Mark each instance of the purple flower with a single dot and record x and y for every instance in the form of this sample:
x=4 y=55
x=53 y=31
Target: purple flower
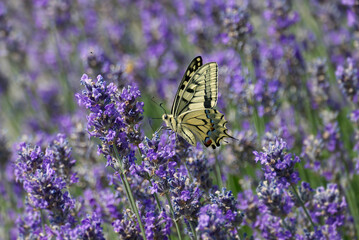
x=213 y=223
x=347 y=77
x=59 y=153
x=114 y=117
x=89 y=228
x=250 y=205
x=273 y=196
x=157 y=226
x=319 y=84
x=197 y=165
x=185 y=196
x=159 y=159
x=278 y=165
x=30 y=159
x=126 y=227
x=329 y=206
x=305 y=192
x=228 y=204
x=29 y=224
x=236 y=26
x=272 y=227
x=280 y=15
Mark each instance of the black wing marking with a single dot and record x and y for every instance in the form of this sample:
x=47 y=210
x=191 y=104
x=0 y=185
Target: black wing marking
x=200 y=92
x=191 y=69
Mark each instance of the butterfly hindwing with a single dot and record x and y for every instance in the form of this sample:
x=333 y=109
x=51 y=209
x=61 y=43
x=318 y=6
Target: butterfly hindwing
x=207 y=125
x=201 y=91
x=191 y=69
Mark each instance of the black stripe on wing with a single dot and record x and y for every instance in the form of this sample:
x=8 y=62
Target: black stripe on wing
x=201 y=91
x=191 y=69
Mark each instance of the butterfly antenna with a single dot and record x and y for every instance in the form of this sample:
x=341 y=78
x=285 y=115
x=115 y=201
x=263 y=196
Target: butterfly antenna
x=150 y=123
x=164 y=110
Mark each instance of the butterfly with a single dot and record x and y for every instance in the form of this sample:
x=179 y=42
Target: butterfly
x=193 y=116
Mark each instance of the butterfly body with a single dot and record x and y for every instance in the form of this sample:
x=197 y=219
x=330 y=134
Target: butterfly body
x=193 y=115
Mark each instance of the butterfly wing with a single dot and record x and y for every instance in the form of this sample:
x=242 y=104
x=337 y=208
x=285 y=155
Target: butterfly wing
x=200 y=92
x=191 y=69
x=206 y=125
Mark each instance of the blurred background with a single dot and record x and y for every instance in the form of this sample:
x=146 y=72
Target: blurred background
x=286 y=68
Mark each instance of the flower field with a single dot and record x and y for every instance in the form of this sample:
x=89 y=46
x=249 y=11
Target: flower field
x=85 y=154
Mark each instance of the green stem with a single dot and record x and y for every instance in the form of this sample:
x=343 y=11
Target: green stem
x=218 y=173
x=238 y=233
x=129 y=194
x=43 y=221
x=303 y=206
x=174 y=217
x=258 y=122
x=193 y=230
x=63 y=76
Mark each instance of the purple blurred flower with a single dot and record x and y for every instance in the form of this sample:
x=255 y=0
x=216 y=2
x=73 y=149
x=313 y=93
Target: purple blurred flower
x=347 y=77
x=273 y=196
x=280 y=15
x=29 y=224
x=329 y=206
x=241 y=152
x=318 y=84
x=305 y=192
x=236 y=26
x=203 y=27
x=213 y=223
x=251 y=207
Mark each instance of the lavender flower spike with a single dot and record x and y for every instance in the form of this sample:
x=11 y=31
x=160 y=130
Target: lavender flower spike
x=277 y=164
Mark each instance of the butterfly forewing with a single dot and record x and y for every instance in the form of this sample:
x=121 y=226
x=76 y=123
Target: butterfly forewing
x=201 y=90
x=191 y=69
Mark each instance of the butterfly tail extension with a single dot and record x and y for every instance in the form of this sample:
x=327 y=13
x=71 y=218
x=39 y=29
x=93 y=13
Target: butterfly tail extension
x=217 y=130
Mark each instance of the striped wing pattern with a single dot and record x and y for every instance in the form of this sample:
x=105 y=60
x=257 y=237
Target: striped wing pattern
x=207 y=126
x=190 y=71
x=201 y=91
x=192 y=114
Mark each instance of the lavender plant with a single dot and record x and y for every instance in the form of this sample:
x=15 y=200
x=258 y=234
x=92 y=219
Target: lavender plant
x=83 y=157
